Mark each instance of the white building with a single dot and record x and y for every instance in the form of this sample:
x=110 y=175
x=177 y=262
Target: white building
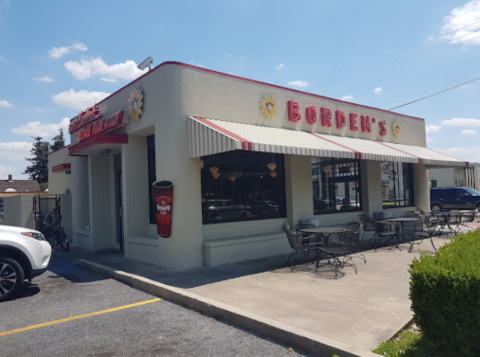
x=245 y=157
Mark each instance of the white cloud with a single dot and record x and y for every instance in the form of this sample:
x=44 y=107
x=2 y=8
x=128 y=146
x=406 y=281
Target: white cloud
x=78 y=100
x=461 y=122
x=5 y=104
x=58 y=52
x=378 y=90
x=460 y=17
x=45 y=79
x=300 y=84
x=348 y=98
x=468 y=132
x=88 y=68
x=35 y=128
x=9 y=170
x=471 y=154
x=280 y=66
x=15 y=151
x=433 y=129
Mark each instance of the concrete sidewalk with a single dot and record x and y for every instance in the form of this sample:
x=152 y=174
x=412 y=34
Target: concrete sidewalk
x=352 y=314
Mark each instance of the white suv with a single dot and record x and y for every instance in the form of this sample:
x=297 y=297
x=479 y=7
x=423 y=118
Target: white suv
x=24 y=254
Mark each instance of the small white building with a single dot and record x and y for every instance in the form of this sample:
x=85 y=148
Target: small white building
x=456 y=176
x=245 y=157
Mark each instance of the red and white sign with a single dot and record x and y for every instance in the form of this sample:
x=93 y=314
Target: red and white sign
x=101 y=126
x=364 y=123
x=84 y=118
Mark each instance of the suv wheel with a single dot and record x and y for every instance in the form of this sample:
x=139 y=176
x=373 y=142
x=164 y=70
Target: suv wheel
x=11 y=277
x=435 y=207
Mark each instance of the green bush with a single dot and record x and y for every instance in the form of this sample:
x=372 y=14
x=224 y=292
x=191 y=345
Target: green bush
x=445 y=295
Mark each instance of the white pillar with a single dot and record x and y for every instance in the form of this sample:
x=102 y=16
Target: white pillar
x=421 y=187
x=371 y=177
x=298 y=187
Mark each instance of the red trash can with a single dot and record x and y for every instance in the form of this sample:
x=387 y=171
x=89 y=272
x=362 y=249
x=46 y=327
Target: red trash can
x=163 y=196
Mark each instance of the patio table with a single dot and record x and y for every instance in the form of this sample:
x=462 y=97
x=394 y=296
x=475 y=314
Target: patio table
x=323 y=235
x=450 y=219
x=398 y=223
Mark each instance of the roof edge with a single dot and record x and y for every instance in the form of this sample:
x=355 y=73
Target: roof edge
x=176 y=63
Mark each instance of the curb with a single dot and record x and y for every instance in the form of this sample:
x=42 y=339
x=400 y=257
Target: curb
x=290 y=336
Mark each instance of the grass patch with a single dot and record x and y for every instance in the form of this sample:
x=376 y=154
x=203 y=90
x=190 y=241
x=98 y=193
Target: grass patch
x=408 y=343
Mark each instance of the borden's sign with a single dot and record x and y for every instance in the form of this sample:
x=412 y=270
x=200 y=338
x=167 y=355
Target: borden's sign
x=84 y=118
x=110 y=123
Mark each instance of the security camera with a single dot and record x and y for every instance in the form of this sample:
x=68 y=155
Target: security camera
x=147 y=62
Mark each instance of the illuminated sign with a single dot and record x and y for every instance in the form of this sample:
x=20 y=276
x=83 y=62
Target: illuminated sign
x=363 y=124
x=101 y=126
x=84 y=118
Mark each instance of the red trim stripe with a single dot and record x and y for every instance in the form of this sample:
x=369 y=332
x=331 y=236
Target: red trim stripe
x=420 y=160
x=252 y=81
x=61 y=167
x=467 y=164
x=98 y=140
x=358 y=154
x=246 y=144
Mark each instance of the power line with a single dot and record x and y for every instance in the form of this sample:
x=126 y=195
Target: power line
x=430 y=89
x=422 y=77
x=395 y=64
x=395 y=52
x=437 y=93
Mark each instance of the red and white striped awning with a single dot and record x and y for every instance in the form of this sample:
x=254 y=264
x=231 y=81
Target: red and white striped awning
x=212 y=136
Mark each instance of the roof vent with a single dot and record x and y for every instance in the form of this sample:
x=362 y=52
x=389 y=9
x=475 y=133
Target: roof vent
x=10 y=179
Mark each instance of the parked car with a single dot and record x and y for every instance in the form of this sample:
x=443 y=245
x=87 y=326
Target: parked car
x=226 y=210
x=454 y=198
x=24 y=254
x=264 y=208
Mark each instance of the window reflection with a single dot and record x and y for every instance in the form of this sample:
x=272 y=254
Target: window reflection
x=239 y=186
x=336 y=185
x=397 y=184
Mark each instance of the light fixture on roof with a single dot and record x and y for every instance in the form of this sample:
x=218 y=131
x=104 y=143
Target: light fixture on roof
x=147 y=62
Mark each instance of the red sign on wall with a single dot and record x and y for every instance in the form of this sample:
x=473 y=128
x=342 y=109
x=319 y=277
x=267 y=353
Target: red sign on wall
x=364 y=123
x=101 y=126
x=84 y=118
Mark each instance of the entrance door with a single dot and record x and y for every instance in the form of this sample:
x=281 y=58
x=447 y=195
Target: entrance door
x=118 y=199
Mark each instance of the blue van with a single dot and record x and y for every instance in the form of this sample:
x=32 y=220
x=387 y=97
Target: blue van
x=454 y=198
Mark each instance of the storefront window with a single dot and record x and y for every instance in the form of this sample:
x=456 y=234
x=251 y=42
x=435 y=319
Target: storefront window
x=152 y=174
x=336 y=185
x=397 y=184
x=241 y=186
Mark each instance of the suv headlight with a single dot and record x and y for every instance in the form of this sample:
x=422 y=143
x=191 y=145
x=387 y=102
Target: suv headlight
x=37 y=236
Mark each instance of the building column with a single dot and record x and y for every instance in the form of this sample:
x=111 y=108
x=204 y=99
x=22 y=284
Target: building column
x=421 y=187
x=80 y=202
x=298 y=187
x=371 y=177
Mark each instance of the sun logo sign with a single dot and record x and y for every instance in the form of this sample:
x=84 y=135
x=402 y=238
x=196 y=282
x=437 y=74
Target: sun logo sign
x=397 y=129
x=135 y=104
x=269 y=107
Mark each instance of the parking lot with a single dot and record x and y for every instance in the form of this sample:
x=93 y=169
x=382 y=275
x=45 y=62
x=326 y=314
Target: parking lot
x=74 y=312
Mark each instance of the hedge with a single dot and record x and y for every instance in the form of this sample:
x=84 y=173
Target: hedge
x=445 y=295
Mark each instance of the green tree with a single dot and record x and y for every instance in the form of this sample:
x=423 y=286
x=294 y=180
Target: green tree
x=38 y=170
x=58 y=141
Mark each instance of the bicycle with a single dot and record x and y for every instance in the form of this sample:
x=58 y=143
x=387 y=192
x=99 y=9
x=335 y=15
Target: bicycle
x=55 y=235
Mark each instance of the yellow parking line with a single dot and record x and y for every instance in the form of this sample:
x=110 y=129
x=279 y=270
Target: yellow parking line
x=77 y=317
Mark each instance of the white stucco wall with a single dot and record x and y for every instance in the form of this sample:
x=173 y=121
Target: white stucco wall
x=58 y=182
x=171 y=93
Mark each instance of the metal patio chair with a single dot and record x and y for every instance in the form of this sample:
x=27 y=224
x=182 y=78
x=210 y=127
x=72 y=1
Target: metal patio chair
x=425 y=228
x=301 y=246
x=368 y=227
x=382 y=230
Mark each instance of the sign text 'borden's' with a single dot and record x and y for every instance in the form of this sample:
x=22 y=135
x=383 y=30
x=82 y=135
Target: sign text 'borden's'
x=364 y=122
x=110 y=123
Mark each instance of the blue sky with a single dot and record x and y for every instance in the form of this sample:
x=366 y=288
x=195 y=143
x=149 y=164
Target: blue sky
x=58 y=57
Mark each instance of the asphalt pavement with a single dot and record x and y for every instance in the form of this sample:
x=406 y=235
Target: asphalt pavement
x=83 y=301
